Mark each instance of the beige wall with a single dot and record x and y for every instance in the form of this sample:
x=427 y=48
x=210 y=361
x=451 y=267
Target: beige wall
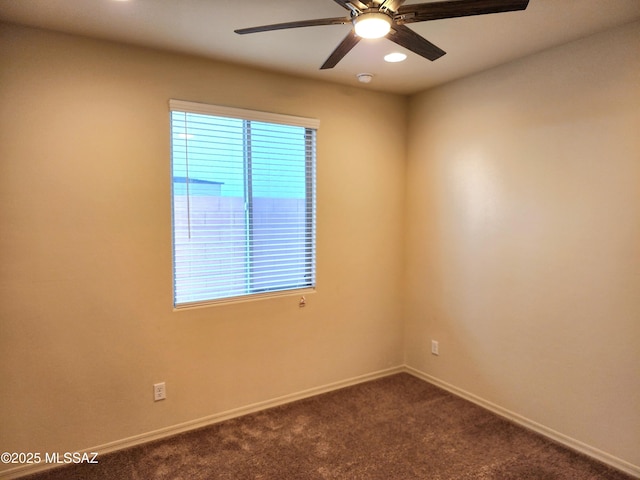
x=518 y=196
x=523 y=228
x=85 y=270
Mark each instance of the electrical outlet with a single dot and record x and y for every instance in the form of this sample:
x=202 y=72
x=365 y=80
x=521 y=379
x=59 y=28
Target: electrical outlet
x=435 y=347
x=159 y=391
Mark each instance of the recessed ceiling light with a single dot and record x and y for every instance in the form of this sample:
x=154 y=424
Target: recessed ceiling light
x=395 y=57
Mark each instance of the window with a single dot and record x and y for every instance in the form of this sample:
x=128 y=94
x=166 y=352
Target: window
x=243 y=202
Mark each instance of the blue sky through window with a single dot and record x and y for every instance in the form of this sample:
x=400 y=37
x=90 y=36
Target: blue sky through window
x=215 y=149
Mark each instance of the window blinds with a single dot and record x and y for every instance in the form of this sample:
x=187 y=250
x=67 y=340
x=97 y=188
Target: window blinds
x=243 y=202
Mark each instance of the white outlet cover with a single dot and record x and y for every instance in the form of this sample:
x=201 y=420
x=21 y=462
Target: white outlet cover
x=159 y=391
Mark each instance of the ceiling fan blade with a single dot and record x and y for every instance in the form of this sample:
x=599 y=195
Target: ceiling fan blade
x=410 y=40
x=456 y=8
x=356 y=3
x=341 y=50
x=301 y=23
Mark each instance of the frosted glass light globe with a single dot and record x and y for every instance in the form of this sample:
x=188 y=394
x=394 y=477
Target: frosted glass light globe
x=372 y=25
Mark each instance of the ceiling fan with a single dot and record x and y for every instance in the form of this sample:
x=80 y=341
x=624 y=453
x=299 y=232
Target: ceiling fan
x=388 y=18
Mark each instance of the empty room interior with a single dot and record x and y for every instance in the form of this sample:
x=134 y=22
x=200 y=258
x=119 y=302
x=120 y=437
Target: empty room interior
x=479 y=231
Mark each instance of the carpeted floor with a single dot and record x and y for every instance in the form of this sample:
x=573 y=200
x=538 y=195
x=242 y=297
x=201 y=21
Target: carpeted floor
x=397 y=427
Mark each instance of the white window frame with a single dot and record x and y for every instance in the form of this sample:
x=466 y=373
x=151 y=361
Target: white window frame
x=311 y=125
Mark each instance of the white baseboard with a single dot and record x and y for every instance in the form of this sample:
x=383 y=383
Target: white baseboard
x=24 y=470
x=136 y=440
x=558 y=437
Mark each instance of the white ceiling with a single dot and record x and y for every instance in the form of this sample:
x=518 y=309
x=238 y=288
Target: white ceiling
x=205 y=28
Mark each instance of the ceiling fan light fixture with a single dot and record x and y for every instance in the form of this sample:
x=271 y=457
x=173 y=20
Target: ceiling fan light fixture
x=372 y=25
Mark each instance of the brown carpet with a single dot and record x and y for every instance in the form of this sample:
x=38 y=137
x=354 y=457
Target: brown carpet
x=397 y=427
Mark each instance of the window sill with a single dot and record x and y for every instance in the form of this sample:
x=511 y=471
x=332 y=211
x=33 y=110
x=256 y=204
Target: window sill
x=244 y=299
